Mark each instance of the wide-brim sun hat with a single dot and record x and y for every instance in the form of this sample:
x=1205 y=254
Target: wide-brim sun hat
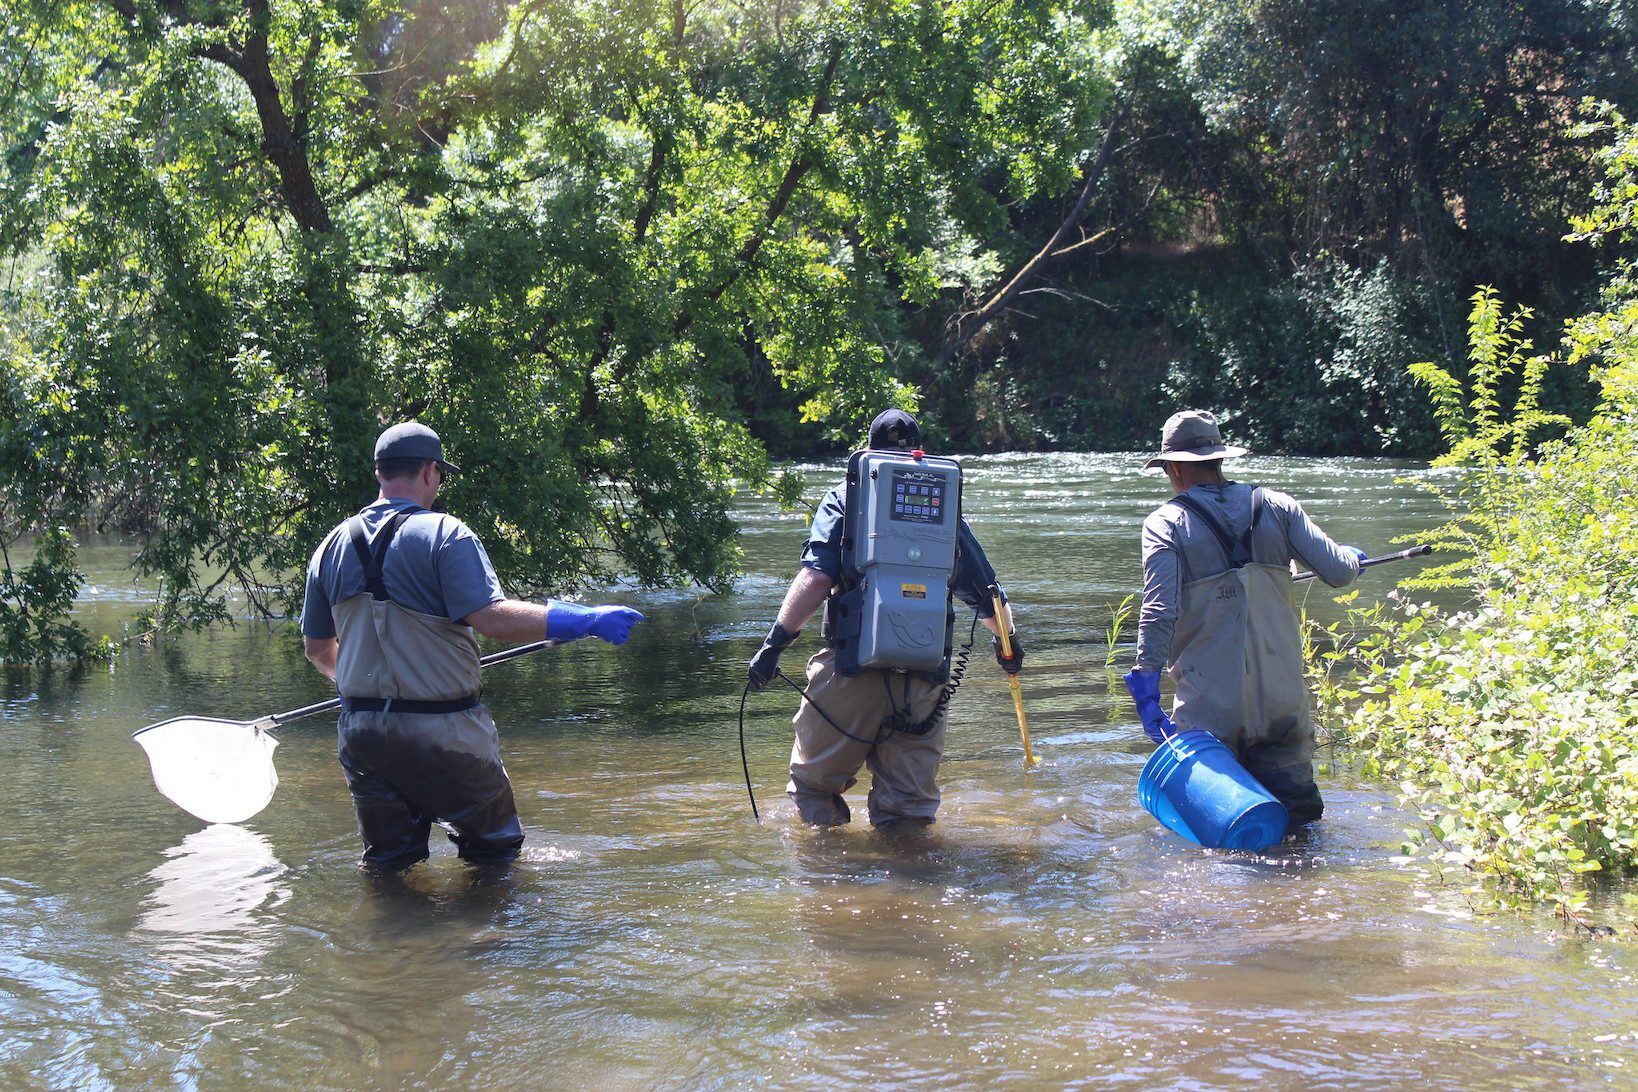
x=1192 y=436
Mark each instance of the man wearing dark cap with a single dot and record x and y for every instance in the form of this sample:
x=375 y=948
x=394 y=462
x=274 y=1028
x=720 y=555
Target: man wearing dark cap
x=888 y=718
x=1217 y=612
x=393 y=597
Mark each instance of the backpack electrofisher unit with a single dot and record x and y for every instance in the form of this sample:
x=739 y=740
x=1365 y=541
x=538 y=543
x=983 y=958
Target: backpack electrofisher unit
x=900 y=529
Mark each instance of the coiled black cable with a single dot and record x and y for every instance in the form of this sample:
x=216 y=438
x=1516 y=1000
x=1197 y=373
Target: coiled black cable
x=899 y=719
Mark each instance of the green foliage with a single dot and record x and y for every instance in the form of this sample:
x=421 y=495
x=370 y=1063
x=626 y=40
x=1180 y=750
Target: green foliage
x=1308 y=191
x=566 y=234
x=1425 y=133
x=34 y=603
x=1489 y=446
x=1475 y=431
x=1314 y=364
x=1119 y=617
x=1513 y=725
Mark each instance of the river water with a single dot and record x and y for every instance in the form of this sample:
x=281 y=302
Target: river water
x=1044 y=931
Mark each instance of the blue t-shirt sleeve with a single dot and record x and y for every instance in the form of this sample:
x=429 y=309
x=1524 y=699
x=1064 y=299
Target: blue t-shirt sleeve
x=823 y=549
x=465 y=575
x=974 y=575
x=317 y=620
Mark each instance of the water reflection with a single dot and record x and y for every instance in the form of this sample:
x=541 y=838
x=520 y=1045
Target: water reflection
x=213 y=900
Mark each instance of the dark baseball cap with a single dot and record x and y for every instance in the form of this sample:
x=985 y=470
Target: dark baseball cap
x=894 y=430
x=412 y=440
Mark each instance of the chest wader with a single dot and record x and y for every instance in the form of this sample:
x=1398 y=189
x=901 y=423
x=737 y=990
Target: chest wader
x=888 y=631
x=1237 y=663
x=415 y=741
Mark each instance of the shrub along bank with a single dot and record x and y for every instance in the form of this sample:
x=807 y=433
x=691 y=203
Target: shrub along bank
x=1511 y=724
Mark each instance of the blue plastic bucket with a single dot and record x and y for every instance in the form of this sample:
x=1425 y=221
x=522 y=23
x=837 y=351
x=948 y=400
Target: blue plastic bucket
x=1194 y=785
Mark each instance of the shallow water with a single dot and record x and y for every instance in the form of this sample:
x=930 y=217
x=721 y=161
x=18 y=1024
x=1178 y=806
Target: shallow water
x=1044 y=931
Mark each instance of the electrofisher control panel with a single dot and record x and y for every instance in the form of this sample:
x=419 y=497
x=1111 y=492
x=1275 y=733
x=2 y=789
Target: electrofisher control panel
x=903 y=517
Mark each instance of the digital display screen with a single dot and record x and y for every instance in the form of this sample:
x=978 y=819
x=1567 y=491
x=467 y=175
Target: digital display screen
x=918 y=497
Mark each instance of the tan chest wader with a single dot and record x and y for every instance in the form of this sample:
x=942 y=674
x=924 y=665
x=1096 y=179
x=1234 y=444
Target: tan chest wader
x=1237 y=663
x=888 y=639
x=415 y=741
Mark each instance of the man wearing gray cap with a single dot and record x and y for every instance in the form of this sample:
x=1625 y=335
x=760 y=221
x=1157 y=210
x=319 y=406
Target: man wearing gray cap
x=1217 y=612
x=393 y=597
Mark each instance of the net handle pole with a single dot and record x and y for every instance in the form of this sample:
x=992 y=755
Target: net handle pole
x=335 y=703
x=1414 y=551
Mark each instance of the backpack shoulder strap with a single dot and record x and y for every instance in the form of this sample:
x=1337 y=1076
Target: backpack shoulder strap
x=1251 y=528
x=1230 y=552
x=372 y=554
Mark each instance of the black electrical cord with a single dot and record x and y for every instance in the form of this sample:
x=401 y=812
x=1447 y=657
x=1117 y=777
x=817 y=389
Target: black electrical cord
x=957 y=669
x=822 y=713
x=743 y=761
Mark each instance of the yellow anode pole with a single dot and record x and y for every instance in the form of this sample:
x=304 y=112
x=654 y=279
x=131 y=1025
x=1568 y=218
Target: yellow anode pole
x=1003 y=625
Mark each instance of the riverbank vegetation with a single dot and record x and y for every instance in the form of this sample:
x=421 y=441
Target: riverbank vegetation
x=1512 y=725
x=621 y=255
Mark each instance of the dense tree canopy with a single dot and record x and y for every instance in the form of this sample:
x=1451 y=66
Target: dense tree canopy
x=566 y=234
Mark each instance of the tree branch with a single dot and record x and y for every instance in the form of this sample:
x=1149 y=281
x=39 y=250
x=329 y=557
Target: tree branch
x=803 y=163
x=998 y=303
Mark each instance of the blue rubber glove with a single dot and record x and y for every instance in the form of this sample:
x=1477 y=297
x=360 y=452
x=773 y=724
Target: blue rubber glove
x=1144 y=686
x=1359 y=554
x=765 y=664
x=570 y=622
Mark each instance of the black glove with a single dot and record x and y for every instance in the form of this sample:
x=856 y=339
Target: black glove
x=1010 y=664
x=765 y=664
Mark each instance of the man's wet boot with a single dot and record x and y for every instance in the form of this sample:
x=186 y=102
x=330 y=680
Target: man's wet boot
x=821 y=812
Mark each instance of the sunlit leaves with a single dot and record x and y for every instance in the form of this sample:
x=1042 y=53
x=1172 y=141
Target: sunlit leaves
x=563 y=232
x=1513 y=722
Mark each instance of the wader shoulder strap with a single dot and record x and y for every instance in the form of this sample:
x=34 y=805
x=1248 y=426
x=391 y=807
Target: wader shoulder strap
x=372 y=554
x=1238 y=553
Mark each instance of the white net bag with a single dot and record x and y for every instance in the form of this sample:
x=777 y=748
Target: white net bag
x=218 y=770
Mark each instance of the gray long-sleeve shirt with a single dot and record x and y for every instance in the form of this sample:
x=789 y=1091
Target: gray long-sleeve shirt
x=1178 y=549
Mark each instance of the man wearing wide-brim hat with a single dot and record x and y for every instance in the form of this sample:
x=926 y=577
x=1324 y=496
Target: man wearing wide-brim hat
x=1217 y=612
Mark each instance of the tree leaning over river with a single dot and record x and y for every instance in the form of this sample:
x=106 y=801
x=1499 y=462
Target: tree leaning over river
x=566 y=234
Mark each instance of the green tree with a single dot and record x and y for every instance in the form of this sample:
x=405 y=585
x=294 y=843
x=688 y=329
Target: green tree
x=564 y=233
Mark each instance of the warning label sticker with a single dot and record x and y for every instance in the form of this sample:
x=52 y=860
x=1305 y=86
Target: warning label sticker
x=913 y=591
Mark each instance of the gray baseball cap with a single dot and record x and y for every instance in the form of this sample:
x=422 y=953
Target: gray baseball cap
x=1192 y=436
x=412 y=440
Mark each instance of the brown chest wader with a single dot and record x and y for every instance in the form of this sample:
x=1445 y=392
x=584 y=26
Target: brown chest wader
x=1237 y=663
x=851 y=717
x=415 y=741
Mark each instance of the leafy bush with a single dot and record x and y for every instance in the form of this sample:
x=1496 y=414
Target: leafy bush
x=1330 y=343
x=1511 y=724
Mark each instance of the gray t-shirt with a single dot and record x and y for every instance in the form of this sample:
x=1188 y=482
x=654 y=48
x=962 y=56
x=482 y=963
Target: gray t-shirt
x=435 y=565
x=1178 y=549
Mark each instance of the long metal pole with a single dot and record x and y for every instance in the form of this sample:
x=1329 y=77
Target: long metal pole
x=1002 y=626
x=335 y=703
x=1414 y=551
